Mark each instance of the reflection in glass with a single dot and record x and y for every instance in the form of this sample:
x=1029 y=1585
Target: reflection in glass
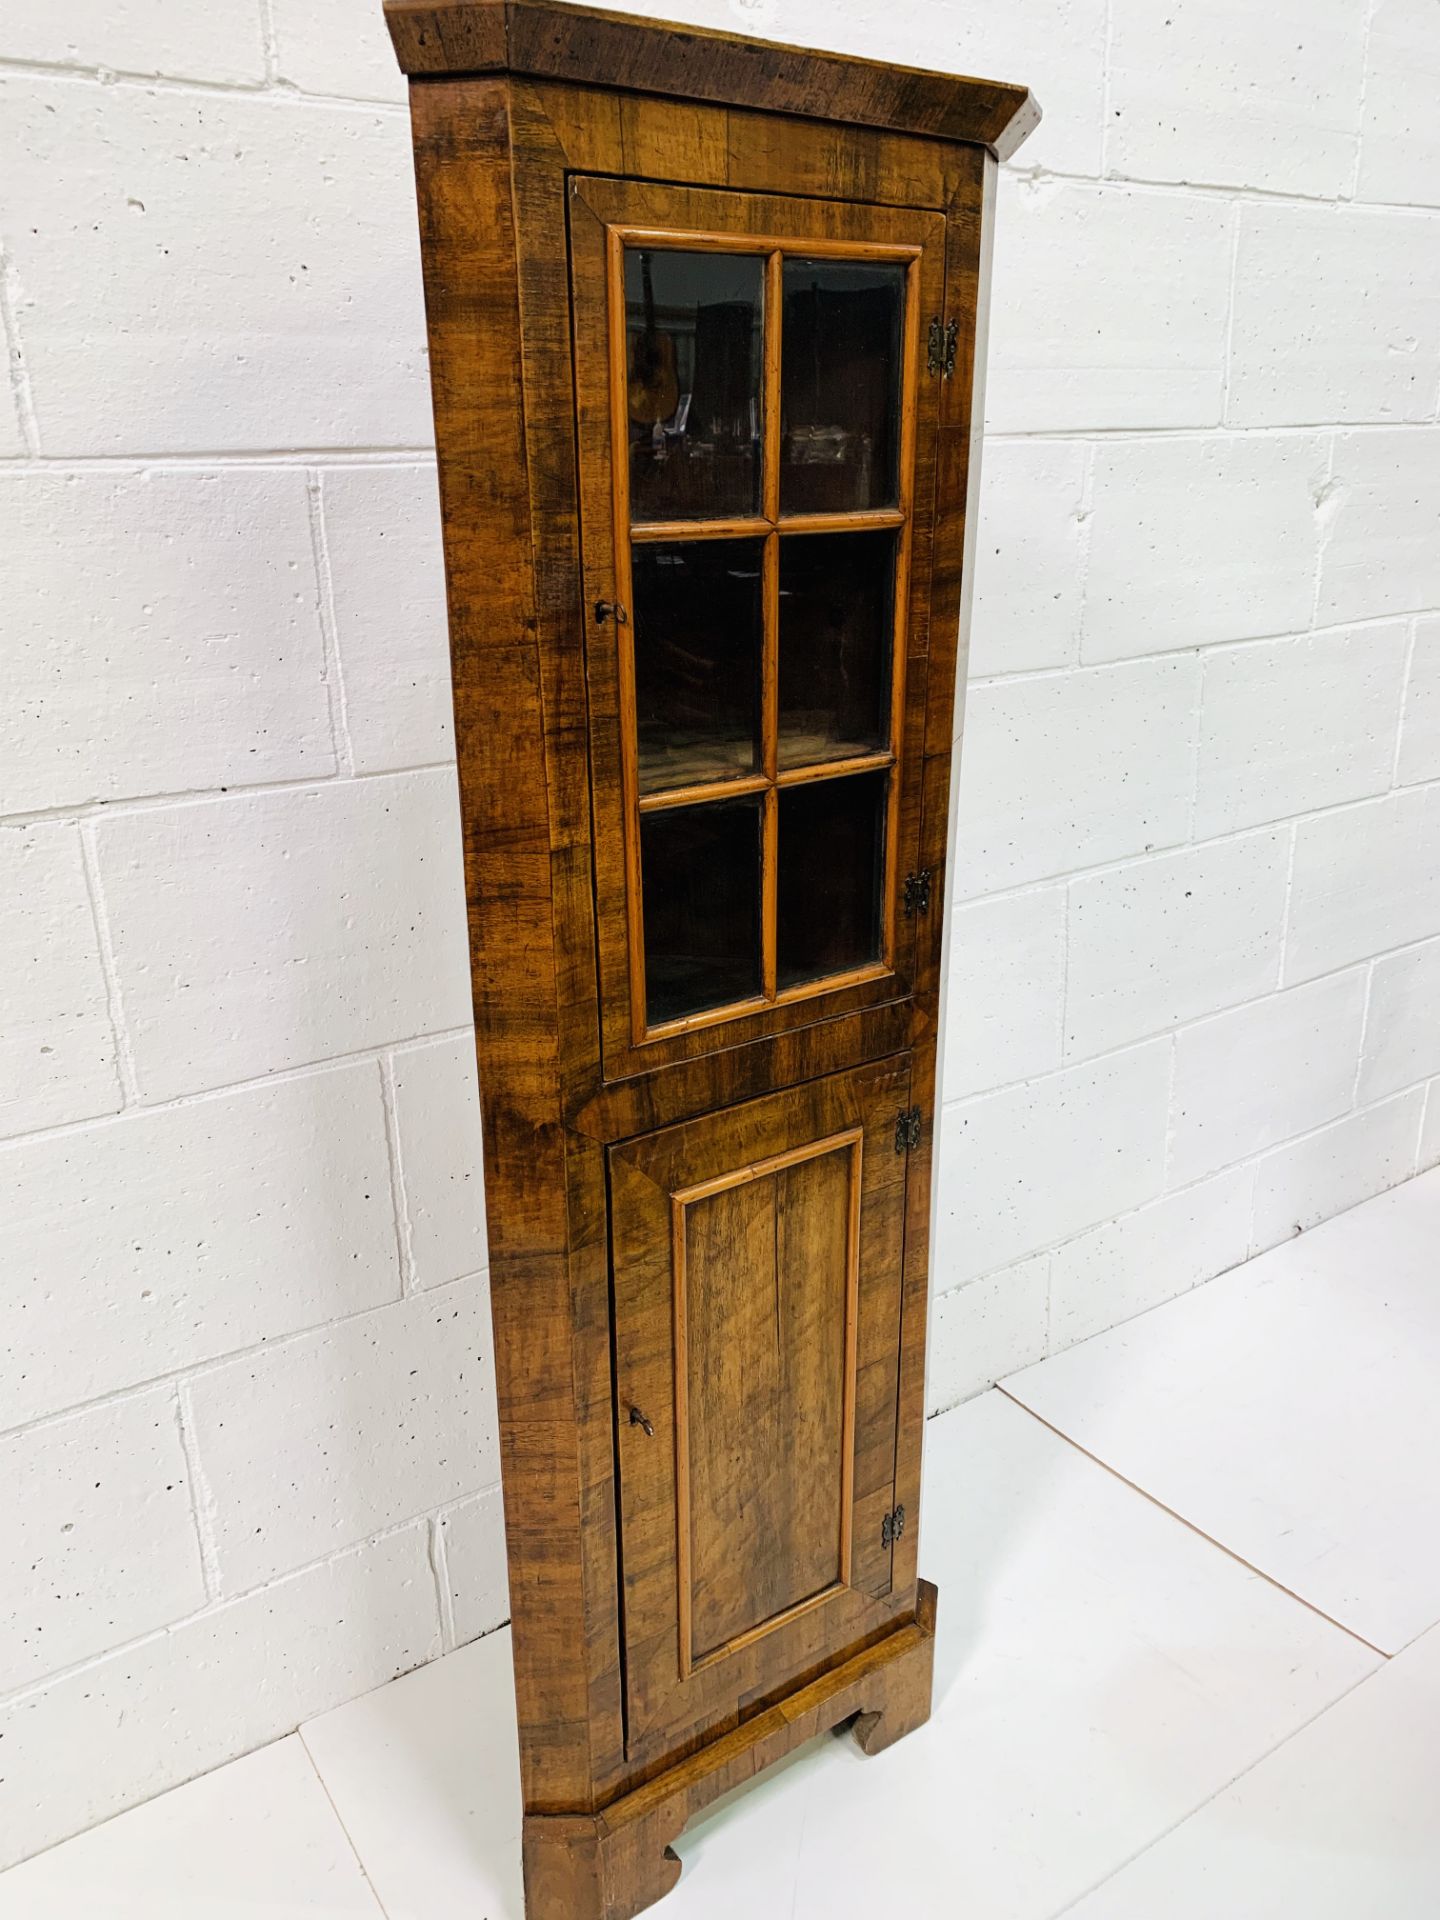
x=831 y=876
x=837 y=594
x=700 y=886
x=840 y=385
x=693 y=324
x=699 y=619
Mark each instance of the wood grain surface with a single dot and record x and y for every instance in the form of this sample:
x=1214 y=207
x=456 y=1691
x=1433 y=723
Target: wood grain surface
x=603 y=49
x=714 y=1227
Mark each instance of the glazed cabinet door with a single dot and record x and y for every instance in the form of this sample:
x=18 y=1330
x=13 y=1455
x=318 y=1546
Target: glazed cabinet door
x=757 y=422
x=757 y=1262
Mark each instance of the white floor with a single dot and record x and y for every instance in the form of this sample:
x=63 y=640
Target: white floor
x=1175 y=1564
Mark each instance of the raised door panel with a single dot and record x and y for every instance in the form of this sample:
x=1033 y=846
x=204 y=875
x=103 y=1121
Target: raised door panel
x=758 y=434
x=757 y=1259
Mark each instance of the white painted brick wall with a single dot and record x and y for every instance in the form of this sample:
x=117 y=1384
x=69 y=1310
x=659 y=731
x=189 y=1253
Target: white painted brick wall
x=342 y=1432
x=1196 y=538
x=175 y=1235
x=1419 y=757
x=99 y=1542
x=1192 y=963
x=1430 y=1132
x=226 y=1679
x=176 y=648
x=58 y=1043
x=1402 y=1031
x=1249 y=1079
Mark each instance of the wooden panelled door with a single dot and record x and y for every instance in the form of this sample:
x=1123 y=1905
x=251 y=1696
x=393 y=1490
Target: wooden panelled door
x=757 y=476
x=758 y=1255
x=757 y=463
x=757 y=496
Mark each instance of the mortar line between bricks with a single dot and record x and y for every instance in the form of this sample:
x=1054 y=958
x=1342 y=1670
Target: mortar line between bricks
x=279 y=1077
x=1228 y=364
x=1364 y=1034
x=93 y=810
x=1324 y=530
x=1049 y=1253
x=337 y=697
x=268 y=86
x=19 y=1695
x=180 y=459
x=202 y=1501
x=1203 y=649
x=193 y=1370
x=1417 y=1145
x=1106 y=76
x=1362 y=1112
x=1285 y=913
x=1191 y=1187
x=1250 y=1165
x=1174 y=1033
x=110 y=972
x=1168 y=1144
x=1113 y=1220
x=275 y=88
x=1197 y=741
x=333 y=1062
x=1170 y=849
x=399 y=1196
x=1211 y=430
x=1085 y=548
x=440 y=1571
x=17 y=373
x=410 y=455
x=1123 y=863
x=131 y=804
x=1067 y=912
x=1372 y=11
x=268 y=42
x=1411 y=645
x=1252 y=1194
x=1040 y=175
x=185 y=85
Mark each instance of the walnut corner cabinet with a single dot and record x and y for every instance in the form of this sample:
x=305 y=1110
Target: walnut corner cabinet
x=705 y=320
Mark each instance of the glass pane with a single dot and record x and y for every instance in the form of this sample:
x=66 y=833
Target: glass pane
x=840 y=357
x=837 y=597
x=831 y=876
x=700 y=883
x=692 y=382
x=699 y=619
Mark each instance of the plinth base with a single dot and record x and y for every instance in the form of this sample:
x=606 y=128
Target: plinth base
x=612 y=1865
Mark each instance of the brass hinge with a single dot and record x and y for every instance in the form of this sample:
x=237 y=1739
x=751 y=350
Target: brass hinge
x=917 y=893
x=907 y=1129
x=944 y=342
x=892 y=1527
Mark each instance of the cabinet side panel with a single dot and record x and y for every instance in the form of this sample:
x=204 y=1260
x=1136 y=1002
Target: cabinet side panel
x=969 y=236
x=546 y=1200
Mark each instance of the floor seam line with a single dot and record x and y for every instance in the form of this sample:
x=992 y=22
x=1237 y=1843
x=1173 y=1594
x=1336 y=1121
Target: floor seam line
x=1199 y=1532
x=380 y=1905
x=1211 y=1798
